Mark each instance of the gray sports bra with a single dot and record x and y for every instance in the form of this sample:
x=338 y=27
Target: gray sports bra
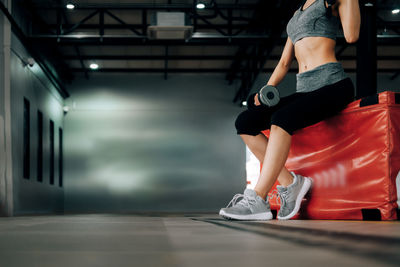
x=312 y=22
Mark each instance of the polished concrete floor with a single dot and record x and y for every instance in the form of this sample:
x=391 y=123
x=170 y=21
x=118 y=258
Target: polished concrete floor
x=193 y=240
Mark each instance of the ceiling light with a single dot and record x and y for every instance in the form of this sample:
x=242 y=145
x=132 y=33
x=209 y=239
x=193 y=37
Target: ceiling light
x=70 y=6
x=396 y=11
x=94 y=66
x=200 y=6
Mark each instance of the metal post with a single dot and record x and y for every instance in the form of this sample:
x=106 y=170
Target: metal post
x=144 y=22
x=6 y=175
x=101 y=22
x=230 y=22
x=59 y=22
x=166 y=63
x=367 y=51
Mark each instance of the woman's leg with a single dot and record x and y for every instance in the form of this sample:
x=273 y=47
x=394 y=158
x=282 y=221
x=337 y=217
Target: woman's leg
x=301 y=111
x=258 y=145
x=274 y=161
x=273 y=155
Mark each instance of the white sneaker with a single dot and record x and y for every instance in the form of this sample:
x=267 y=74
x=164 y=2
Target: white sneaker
x=251 y=207
x=292 y=195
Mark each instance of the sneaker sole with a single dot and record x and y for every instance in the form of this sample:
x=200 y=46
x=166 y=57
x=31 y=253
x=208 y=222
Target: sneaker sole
x=303 y=191
x=265 y=216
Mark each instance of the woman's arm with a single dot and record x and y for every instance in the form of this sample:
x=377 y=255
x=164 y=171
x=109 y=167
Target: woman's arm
x=349 y=13
x=282 y=68
x=283 y=65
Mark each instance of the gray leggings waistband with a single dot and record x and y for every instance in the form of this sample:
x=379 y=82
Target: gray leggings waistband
x=319 y=77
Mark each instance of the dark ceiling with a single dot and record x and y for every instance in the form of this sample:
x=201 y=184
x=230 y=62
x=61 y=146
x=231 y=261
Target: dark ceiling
x=239 y=38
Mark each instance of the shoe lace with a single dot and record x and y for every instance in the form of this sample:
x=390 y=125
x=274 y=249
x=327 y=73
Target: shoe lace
x=246 y=201
x=274 y=194
x=283 y=197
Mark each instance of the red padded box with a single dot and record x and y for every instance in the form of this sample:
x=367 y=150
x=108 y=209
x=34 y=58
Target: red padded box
x=353 y=158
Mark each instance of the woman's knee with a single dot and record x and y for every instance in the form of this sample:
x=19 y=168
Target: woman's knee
x=246 y=124
x=241 y=123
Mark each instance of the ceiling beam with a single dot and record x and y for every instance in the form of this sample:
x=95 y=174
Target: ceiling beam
x=133 y=6
x=150 y=57
x=138 y=27
x=191 y=57
x=95 y=39
x=199 y=70
x=140 y=40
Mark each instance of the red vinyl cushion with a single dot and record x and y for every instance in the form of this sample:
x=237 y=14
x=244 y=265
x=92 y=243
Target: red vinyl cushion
x=353 y=159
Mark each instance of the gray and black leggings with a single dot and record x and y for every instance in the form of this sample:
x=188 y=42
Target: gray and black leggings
x=298 y=110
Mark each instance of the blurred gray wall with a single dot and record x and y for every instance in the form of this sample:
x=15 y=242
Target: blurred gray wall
x=142 y=143
x=19 y=195
x=3 y=196
x=30 y=195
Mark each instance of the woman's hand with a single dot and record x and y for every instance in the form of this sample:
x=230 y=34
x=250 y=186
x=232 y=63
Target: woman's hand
x=256 y=102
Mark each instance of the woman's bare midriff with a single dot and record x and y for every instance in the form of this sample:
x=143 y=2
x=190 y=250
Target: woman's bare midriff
x=312 y=52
